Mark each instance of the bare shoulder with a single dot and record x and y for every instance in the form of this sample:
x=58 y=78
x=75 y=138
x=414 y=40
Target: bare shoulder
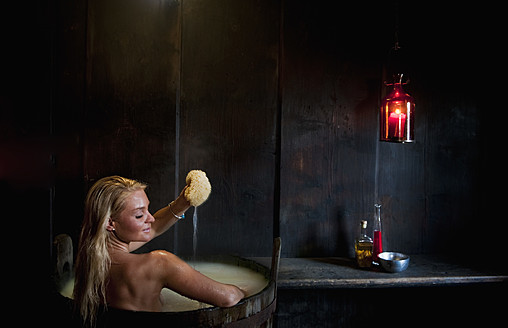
x=166 y=262
x=171 y=270
x=162 y=256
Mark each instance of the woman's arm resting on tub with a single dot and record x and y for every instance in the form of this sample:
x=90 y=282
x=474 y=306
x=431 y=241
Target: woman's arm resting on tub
x=183 y=279
x=164 y=219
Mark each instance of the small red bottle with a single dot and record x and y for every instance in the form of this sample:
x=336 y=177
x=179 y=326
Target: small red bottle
x=378 y=240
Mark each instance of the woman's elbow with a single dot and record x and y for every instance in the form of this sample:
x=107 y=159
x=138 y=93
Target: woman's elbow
x=232 y=297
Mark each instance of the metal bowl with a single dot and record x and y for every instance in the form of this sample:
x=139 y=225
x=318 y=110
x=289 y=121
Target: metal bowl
x=393 y=261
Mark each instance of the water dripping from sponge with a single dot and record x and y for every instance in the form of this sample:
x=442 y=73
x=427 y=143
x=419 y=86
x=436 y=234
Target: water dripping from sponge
x=194 y=233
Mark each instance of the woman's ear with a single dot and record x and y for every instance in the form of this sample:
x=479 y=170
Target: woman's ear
x=111 y=225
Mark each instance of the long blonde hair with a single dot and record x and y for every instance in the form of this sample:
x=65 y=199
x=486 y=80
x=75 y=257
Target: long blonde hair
x=105 y=199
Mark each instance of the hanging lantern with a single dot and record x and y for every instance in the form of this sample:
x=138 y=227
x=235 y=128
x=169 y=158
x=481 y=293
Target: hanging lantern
x=397 y=115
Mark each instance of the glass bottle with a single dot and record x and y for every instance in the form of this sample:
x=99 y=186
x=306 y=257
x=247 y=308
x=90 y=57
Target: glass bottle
x=378 y=240
x=363 y=247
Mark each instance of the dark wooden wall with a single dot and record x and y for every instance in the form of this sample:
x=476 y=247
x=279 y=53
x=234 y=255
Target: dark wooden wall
x=276 y=101
x=228 y=104
x=172 y=86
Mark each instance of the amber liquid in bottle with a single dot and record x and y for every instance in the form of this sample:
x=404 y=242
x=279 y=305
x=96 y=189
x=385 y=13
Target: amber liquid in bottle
x=363 y=247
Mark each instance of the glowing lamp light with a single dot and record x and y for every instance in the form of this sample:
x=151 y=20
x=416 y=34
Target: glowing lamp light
x=397 y=115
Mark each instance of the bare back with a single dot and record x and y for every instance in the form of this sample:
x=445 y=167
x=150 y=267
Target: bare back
x=133 y=283
x=136 y=281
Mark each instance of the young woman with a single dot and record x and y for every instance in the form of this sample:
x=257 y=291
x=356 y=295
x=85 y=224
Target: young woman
x=116 y=222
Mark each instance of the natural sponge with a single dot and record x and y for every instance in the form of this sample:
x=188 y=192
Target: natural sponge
x=198 y=189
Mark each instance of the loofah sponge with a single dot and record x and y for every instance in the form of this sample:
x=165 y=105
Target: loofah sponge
x=198 y=189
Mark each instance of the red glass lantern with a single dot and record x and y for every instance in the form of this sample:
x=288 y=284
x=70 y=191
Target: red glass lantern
x=397 y=115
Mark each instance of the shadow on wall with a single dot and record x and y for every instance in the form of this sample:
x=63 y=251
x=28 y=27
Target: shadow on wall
x=328 y=237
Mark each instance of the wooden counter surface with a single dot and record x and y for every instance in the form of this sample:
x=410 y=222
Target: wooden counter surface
x=335 y=272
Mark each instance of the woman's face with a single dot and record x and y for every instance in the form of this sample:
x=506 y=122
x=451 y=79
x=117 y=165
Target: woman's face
x=134 y=221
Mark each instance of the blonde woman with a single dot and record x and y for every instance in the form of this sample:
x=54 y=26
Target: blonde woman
x=116 y=222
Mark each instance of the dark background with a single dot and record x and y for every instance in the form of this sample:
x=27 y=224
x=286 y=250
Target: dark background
x=276 y=100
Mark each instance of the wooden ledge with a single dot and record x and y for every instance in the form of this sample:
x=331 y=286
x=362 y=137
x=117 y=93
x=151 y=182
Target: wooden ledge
x=334 y=272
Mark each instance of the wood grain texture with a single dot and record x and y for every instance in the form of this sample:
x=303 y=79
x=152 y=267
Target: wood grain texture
x=343 y=273
x=330 y=95
x=233 y=75
x=229 y=99
x=132 y=66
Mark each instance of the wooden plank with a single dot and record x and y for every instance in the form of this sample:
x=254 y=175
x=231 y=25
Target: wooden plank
x=228 y=107
x=132 y=71
x=67 y=110
x=472 y=305
x=325 y=273
x=329 y=122
x=332 y=84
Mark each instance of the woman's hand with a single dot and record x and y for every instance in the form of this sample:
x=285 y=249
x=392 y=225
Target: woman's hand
x=180 y=205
